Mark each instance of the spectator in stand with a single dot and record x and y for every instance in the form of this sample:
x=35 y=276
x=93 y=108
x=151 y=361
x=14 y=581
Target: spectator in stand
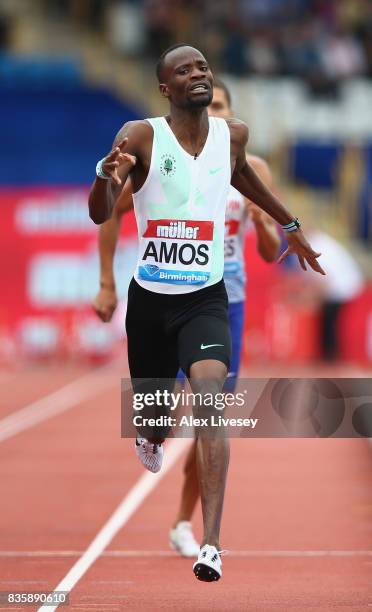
x=159 y=16
x=363 y=32
x=262 y=55
x=4 y=32
x=342 y=283
x=235 y=53
x=324 y=11
x=320 y=41
x=342 y=56
x=300 y=50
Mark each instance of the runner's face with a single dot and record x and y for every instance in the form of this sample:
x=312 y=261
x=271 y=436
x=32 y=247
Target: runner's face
x=188 y=80
x=219 y=107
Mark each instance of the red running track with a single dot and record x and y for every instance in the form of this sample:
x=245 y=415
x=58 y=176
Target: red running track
x=297 y=518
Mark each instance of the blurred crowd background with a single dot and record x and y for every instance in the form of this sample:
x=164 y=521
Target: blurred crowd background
x=73 y=71
x=319 y=41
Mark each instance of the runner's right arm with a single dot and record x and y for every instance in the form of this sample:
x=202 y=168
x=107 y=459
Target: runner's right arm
x=106 y=300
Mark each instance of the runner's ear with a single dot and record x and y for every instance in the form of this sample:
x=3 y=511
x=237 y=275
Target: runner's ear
x=164 y=90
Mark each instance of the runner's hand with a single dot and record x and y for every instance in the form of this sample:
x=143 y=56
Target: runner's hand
x=298 y=244
x=118 y=158
x=105 y=304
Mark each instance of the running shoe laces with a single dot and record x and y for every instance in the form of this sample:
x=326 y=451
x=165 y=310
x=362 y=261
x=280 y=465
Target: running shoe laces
x=208 y=567
x=150 y=454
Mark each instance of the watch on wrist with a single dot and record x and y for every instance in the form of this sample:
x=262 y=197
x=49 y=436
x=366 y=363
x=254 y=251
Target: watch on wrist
x=293 y=226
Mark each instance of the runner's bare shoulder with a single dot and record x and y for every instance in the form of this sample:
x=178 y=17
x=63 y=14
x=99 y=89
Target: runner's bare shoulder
x=239 y=131
x=139 y=134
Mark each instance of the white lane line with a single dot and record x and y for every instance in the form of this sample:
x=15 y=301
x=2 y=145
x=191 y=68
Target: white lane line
x=55 y=403
x=131 y=502
x=170 y=553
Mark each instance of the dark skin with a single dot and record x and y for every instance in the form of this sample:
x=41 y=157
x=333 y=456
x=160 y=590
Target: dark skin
x=184 y=70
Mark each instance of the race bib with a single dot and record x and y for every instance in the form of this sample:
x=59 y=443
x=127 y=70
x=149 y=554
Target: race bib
x=232 y=248
x=231 y=239
x=176 y=251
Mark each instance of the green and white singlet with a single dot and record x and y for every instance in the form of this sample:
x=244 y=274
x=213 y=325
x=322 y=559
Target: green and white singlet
x=180 y=211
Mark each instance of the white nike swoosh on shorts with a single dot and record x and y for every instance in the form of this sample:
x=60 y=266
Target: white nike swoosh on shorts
x=202 y=346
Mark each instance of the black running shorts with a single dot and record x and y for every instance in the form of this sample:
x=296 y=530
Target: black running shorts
x=166 y=332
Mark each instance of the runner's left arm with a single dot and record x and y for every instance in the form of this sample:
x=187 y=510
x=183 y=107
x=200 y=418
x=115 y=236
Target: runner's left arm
x=247 y=181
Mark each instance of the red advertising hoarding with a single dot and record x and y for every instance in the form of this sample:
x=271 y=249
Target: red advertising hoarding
x=49 y=267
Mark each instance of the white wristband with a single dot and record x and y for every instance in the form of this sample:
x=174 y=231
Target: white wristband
x=293 y=226
x=99 y=170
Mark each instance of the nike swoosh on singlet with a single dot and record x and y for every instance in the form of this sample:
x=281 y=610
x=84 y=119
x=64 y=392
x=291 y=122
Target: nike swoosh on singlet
x=215 y=170
x=205 y=346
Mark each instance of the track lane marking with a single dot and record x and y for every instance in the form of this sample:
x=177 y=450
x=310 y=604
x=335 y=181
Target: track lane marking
x=170 y=553
x=55 y=403
x=127 y=507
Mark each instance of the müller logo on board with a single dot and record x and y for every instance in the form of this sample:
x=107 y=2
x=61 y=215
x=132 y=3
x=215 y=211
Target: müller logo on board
x=179 y=229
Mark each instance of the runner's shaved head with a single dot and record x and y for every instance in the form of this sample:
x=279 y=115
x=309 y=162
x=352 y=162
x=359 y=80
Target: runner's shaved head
x=164 y=56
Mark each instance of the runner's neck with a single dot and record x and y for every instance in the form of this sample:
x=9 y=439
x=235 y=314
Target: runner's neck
x=190 y=128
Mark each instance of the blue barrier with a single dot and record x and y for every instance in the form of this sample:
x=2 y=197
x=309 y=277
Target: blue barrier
x=54 y=136
x=315 y=162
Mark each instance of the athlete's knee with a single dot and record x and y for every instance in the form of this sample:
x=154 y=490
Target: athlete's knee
x=207 y=379
x=208 y=400
x=208 y=371
x=205 y=387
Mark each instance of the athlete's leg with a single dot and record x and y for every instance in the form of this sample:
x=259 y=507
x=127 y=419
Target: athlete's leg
x=152 y=354
x=212 y=454
x=190 y=488
x=181 y=536
x=205 y=348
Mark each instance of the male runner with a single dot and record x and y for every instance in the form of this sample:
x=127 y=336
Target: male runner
x=181 y=167
x=238 y=211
